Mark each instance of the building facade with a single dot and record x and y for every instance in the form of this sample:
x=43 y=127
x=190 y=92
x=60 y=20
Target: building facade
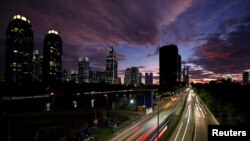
x=135 y=78
x=127 y=78
x=111 y=66
x=52 y=57
x=37 y=66
x=83 y=70
x=186 y=75
x=168 y=62
x=19 y=50
x=149 y=79
x=179 y=68
x=245 y=78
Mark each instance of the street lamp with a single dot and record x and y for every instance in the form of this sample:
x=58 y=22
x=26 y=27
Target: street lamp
x=53 y=101
x=107 y=104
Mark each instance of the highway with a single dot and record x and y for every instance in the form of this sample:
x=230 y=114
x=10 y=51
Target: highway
x=145 y=128
x=192 y=125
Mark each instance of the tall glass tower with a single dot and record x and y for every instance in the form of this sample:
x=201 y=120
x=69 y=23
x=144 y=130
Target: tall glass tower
x=111 y=66
x=52 y=57
x=19 y=50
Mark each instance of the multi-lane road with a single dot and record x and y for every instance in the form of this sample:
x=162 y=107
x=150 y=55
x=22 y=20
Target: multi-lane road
x=191 y=126
x=146 y=127
x=193 y=123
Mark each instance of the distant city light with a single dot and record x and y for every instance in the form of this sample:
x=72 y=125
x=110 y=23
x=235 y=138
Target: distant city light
x=132 y=101
x=53 y=32
x=21 y=18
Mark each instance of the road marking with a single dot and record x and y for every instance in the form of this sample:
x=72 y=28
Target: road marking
x=189 y=111
x=178 y=132
x=201 y=110
x=194 y=133
x=199 y=115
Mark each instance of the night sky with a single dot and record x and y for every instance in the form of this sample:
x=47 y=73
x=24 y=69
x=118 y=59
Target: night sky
x=213 y=36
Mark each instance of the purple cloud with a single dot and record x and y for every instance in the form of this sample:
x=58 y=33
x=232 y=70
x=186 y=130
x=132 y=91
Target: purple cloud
x=225 y=53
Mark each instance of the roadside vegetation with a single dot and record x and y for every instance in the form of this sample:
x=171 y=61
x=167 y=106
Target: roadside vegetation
x=228 y=102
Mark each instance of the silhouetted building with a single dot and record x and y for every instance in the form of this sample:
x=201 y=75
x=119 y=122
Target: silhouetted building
x=118 y=81
x=127 y=78
x=179 y=69
x=135 y=76
x=65 y=76
x=101 y=76
x=245 y=78
x=186 y=74
x=168 y=67
x=52 y=57
x=19 y=50
x=37 y=66
x=74 y=76
x=149 y=79
x=83 y=70
x=140 y=78
x=111 y=66
x=2 y=77
x=132 y=76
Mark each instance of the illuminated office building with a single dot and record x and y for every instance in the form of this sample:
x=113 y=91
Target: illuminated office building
x=19 y=50
x=52 y=57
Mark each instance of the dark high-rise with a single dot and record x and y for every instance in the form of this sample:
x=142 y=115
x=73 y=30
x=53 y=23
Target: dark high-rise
x=168 y=67
x=52 y=57
x=149 y=79
x=245 y=78
x=19 y=50
x=186 y=75
x=83 y=70
x=111 y=66
x=179 y=69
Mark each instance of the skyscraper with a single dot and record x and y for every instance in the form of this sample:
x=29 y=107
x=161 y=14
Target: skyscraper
x=149 y=79
x=127 y=78
x=37 y=66
x=83 y=70
x=19 y=50
x=135 y=76
x=179 y=69
x=132 y=76
x=245 y=78
x=168 y=67
x=186 y=74
x=52 y=57
x=111 y=66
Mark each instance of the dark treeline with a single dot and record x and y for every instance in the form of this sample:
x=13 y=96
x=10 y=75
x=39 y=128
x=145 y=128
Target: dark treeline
x=229 y=102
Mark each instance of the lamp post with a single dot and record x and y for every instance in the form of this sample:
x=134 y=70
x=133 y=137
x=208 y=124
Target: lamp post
x=53 y=100
x=107 y=101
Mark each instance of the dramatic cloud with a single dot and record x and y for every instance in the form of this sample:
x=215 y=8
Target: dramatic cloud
x=155 y=53
x=209 y=33
x=95 y=22
x=226 y=53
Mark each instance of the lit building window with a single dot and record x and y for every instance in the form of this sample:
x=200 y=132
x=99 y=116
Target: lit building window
x=15 y=51
x=15 y=29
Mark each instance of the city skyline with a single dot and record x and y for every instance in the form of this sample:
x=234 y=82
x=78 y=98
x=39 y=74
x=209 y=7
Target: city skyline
x=212 y=37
